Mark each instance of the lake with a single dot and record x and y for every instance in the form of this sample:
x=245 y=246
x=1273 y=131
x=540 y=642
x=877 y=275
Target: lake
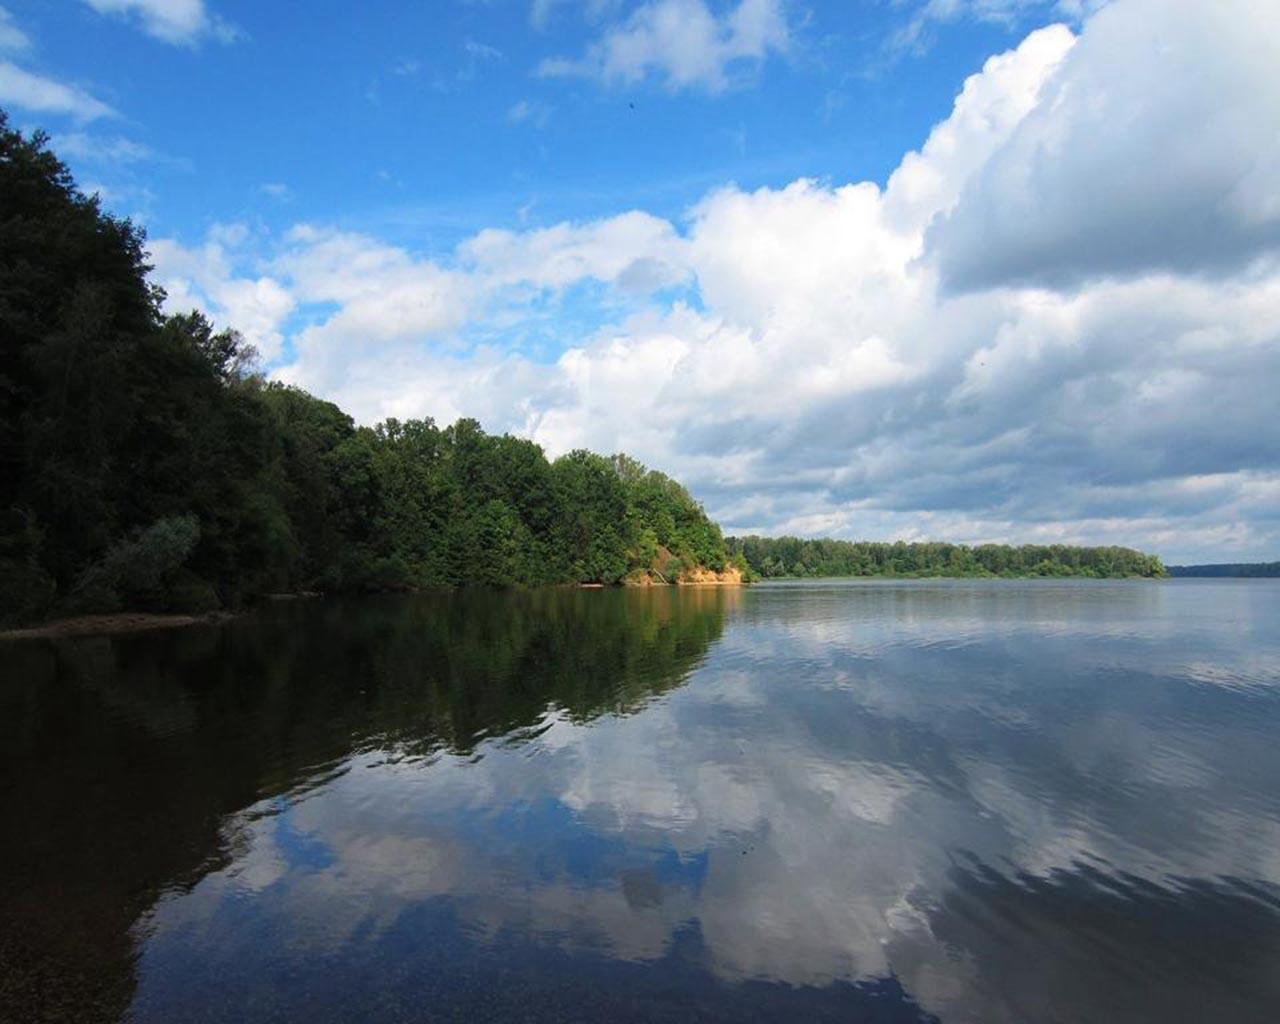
x=815 y=801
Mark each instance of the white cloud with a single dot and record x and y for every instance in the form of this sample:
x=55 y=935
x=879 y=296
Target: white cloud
x=276 y=190
x=115 y=150
x=203 y=278
x=682 y=43
x=813 y=374
x=1151 y=149
x=529 y=112
x=180 y=22
x=917 y=34
x=12 y=38
x=410 y=311
x=989 y=108
x=37 y=93
x=632 y=249
x=481 y=51
x=41 y=95
x=541 y=11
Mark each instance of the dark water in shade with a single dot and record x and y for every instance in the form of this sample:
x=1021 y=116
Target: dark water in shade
x=959 y=801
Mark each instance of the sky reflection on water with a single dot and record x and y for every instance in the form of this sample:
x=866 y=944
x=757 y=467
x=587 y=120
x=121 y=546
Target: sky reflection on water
x=961 y=801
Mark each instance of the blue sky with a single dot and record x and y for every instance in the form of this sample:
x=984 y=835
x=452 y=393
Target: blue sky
x=971 y=269
x=429 y=121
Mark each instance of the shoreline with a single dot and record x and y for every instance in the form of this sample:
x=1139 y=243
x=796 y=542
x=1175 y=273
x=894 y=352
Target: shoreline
x=112 y=624
x=117 y=623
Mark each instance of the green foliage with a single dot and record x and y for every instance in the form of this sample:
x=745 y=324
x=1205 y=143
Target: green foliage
x=139 y=571
x=593 y=529
x=26 y=588
x=1247 y=570
x=791 y=556
x=145 y=464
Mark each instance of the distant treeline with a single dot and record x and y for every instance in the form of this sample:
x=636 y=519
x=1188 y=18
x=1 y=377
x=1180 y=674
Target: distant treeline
x=773 y=557
x=1246 y=569
x=145 y=464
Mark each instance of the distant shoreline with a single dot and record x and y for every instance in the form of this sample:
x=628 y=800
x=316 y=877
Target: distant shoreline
x=992 y=577
x=1227 y=570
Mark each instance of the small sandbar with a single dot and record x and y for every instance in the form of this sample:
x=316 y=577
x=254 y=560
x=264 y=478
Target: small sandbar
x=121 y=622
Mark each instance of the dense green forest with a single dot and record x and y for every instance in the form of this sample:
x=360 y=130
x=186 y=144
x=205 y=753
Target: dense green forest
x=145 y=463
x=1247 y=570
x=791 y=556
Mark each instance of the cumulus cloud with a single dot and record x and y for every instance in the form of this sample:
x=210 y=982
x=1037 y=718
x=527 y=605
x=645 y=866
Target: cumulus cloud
x=202 y=278
x=41 y=95
x=179 y=22
x=682 y=43
x=631 y=248
x=1150 y=150
x=1014 y=338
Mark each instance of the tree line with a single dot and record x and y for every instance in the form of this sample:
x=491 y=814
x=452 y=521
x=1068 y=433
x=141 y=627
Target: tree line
x=1246 y=570
x=775 y=557
x=145 y=463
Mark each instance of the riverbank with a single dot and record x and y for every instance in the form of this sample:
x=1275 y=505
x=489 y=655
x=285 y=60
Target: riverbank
x=120 y=622
x=730 y=576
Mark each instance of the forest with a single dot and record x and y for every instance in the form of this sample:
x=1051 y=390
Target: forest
x=147 y=464
x=773 y=557
x=1243 y=570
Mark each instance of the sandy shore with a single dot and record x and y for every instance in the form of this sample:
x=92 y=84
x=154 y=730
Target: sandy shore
x=729 y=576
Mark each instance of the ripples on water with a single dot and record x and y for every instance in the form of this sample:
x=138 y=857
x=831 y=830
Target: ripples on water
x=957 y=801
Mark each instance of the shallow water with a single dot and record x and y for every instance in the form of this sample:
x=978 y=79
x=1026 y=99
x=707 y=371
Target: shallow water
x=952 y=801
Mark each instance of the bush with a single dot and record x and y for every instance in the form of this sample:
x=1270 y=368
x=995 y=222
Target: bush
x=26 y=591
x=137 y=571
x=189 y=593
x=26 y=588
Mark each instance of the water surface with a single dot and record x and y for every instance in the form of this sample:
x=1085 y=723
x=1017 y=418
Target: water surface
x=918 y=801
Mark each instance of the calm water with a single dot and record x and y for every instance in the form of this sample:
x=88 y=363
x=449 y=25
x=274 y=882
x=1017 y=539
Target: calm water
x=995 y=802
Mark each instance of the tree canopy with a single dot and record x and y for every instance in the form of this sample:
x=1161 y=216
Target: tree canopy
x=1247 y=570
x=772 y=557
x=144 y=463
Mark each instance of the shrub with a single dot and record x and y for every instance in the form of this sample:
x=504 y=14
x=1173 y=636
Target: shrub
x=137 y=570
x=26 y=590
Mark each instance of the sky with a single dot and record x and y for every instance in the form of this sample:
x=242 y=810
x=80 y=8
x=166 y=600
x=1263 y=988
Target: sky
x=973 y=270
